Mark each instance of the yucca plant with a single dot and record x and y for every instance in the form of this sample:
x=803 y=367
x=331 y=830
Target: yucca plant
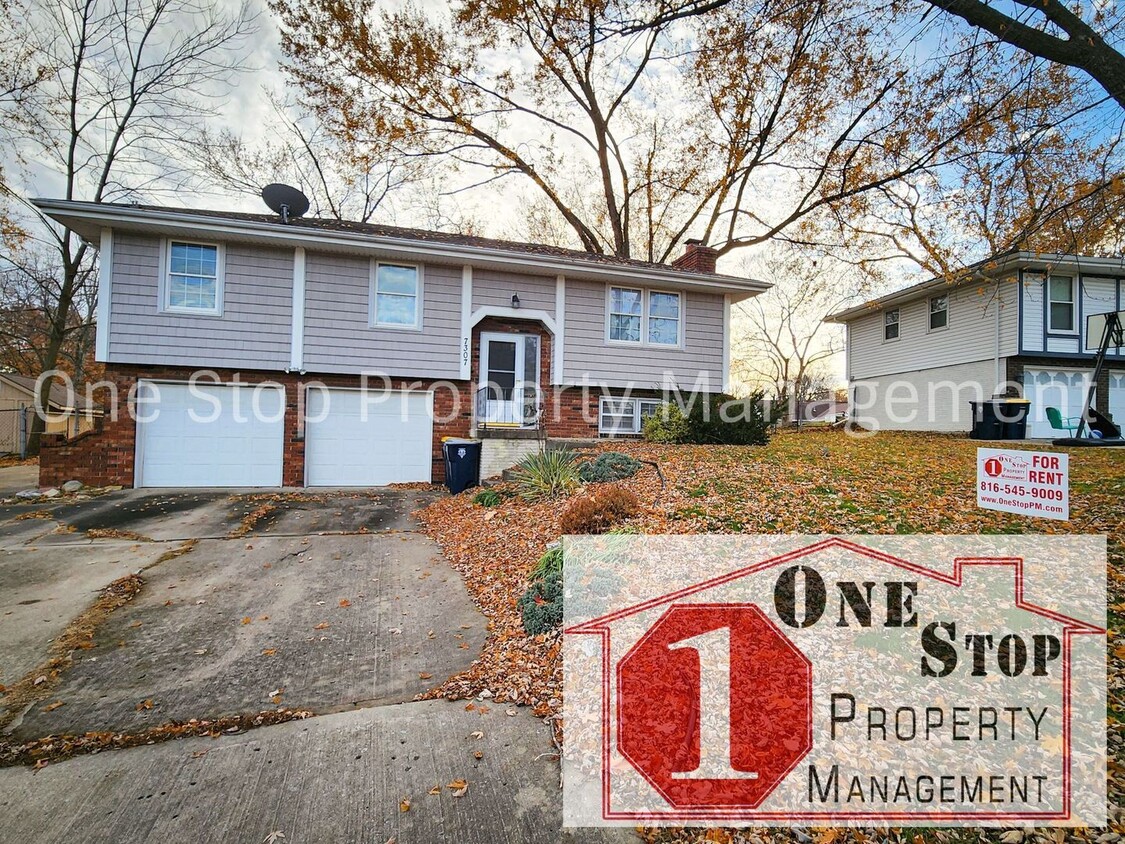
x=546 y=474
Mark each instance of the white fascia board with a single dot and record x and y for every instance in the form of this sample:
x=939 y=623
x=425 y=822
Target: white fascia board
x=293 y=236
x=991 y=269
x=105 y=292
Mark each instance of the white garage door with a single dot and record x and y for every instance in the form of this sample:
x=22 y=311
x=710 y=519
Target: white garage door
x=1061 y=388
x=367 y=439
x=1117 y=399
x=209 y=435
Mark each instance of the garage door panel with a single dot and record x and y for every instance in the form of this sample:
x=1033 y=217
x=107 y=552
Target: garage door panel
x=184 y=441
x=350 y=441
x=1059 y=388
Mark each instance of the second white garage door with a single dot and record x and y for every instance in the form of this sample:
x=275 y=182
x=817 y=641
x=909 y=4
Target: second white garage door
x=357 y=440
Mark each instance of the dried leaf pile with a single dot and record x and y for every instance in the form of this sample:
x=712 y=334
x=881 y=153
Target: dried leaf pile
x=802 y=482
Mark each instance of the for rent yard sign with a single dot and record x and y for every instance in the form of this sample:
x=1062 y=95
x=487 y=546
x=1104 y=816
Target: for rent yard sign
x=1031 y=483
x=825 y=680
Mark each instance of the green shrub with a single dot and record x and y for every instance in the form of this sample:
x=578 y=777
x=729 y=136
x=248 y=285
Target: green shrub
x=667 y=425
x=599 y=511
x=541 y=606
x=716 y=419
x=487 y=498
x=608 y=467
x=551 y=561
x=547 y=474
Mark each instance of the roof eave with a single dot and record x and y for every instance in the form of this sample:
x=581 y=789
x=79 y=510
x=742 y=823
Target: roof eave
x=67 y=213
x=996 y=267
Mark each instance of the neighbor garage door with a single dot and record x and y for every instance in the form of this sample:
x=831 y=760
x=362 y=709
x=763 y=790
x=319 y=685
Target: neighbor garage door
x=1061 y=388
x=357 y=439
x=209 y=435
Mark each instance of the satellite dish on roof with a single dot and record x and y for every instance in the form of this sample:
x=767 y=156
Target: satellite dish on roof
x=285 y=200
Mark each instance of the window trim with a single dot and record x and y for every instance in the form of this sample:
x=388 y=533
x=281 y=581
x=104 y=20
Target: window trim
x=897 y=324
x=166 y=278
x=644 y=342
x=638 y=420
x=1072 y=301
x=930 y=312
x=373 y=297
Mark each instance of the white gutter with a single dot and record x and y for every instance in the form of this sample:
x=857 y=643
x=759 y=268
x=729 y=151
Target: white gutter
x=294 y=235
x=1008 y=263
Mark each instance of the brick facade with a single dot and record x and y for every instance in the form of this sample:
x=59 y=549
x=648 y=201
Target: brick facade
x=106 y=456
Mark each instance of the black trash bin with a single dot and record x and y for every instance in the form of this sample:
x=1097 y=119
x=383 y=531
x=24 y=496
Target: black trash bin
x=462 y=464
x=999 y=419
x=985 y=424
x=1012 y=414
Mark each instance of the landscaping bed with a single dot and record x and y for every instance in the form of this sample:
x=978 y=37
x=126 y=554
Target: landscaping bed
x=807 y=482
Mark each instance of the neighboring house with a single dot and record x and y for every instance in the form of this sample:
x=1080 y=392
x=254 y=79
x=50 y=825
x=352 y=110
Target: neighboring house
x=824 y=411
x=66 y=414
x=509 y=341
x=1015 y=324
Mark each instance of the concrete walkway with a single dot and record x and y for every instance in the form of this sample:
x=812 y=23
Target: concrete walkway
x=335 y=778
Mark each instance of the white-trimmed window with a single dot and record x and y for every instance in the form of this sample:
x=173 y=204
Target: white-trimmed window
x=890 y=325
x=939 y=312
x=645 y=317
x=1060 y=307
x=625 y=416
x=193 y=281
x=396 y=296
x=626 y=309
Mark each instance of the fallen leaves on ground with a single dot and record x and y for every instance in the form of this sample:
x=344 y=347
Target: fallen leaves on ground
x=54 y=748
x=813 y=482
x=38 y=683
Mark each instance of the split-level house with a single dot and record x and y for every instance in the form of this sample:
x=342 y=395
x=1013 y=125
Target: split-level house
x=1014 y=325
x=257 y=351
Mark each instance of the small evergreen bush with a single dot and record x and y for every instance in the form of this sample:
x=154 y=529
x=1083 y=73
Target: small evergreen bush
x=716 y=419
x=487 y=498
x=608 y=467
x=547 y=474
x=599 y=511
x=541 y=606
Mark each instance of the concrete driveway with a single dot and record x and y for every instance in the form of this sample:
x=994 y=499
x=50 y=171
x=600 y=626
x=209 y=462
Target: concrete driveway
x=330 y=602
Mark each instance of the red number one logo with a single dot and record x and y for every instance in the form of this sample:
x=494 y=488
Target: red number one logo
x=714 y=705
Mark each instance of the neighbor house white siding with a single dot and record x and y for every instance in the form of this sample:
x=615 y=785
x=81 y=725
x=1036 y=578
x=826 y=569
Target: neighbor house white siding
x=934 y=399
x=1097 y=295
x=982 y=326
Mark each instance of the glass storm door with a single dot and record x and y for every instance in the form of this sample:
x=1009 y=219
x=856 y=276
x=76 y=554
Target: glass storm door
x=510 y=379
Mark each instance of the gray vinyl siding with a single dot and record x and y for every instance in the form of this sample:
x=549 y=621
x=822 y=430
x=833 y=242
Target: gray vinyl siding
x=495 y=290
x=589 y=354
x=339 y=338
x=969 y=336
x=252 y=332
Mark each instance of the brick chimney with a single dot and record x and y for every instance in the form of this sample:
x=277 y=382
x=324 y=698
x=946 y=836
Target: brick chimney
x=697 y=258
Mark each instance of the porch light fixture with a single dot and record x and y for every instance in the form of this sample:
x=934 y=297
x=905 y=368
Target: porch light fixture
x=515 y=301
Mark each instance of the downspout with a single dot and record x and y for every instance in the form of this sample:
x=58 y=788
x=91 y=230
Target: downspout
x=996 y=357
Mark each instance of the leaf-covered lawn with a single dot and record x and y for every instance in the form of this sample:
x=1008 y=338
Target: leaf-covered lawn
x=807 y=482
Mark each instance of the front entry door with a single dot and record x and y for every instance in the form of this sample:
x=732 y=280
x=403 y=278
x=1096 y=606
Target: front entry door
x=509 y=366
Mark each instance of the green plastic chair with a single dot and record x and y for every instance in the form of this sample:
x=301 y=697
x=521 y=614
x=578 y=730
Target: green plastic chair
x=1069 y=424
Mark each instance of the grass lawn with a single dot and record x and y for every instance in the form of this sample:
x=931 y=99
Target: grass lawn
x=808 y=482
